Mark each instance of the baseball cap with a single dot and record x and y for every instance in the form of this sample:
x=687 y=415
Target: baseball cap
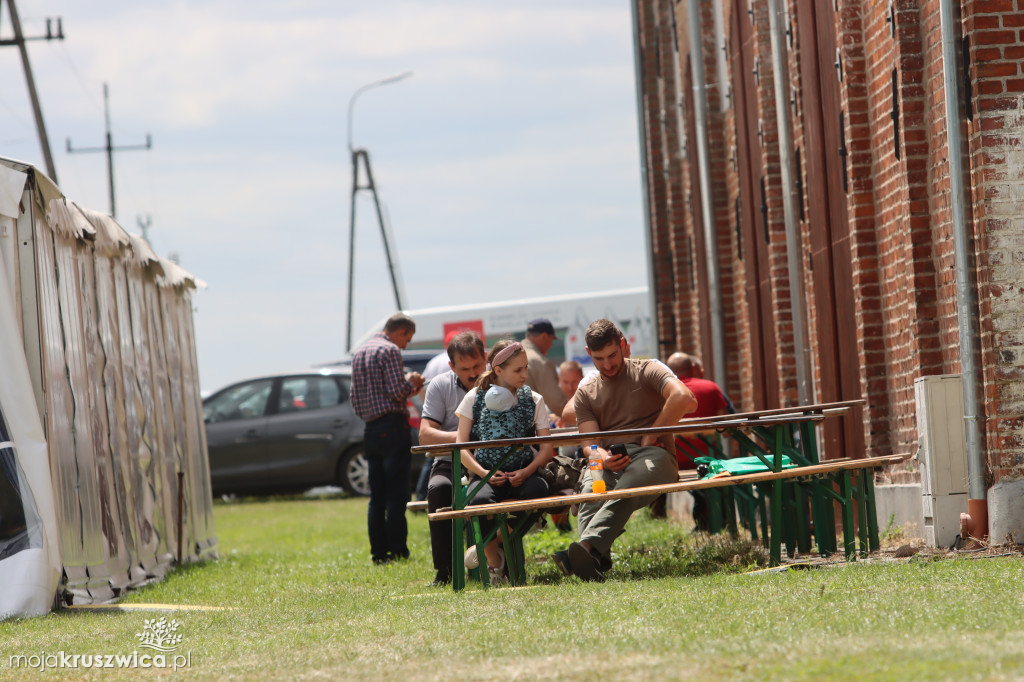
x=541 y=325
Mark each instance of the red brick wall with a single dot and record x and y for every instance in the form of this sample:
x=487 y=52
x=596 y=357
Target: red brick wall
x=657 y=172
x=996 y=31
x=901 y=235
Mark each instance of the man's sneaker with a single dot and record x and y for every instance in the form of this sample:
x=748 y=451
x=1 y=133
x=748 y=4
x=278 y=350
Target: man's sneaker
x=442 y=579
x=585 y=565
x=561 y=560
x=498 y=575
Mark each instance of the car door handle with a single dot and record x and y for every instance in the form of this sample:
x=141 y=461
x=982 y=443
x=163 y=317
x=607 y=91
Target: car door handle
x=252 y=434
x=337 y=423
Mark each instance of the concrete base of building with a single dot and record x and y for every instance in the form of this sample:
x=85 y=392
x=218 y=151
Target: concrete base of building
x=899 y=506
x=1006 y=512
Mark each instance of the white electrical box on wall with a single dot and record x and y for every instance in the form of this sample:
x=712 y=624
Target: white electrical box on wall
x=943 y=456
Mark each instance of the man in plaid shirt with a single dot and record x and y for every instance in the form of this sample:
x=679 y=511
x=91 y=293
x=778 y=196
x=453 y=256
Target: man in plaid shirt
x=380 y=391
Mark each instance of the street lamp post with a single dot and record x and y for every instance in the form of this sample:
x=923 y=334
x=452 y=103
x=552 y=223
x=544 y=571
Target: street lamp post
x=356 y=155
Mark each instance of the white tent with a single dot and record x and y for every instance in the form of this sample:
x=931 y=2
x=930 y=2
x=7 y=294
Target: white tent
x=103 y=409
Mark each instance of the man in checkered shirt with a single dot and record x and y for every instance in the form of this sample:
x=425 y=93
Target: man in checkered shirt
x=380 y=391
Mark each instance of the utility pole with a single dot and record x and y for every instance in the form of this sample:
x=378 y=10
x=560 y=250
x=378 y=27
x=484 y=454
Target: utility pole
x=19 y=40
x=109 y=148
x=364 y=156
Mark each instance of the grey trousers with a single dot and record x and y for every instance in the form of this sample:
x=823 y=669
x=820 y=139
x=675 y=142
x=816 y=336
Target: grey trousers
x=601 y=522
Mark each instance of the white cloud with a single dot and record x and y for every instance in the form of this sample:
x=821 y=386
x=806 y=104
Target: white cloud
x=514 y=143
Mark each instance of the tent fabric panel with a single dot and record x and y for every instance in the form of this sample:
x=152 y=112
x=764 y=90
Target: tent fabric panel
x=141 y=254
x=177 y=419
x=137 y=456
x=198 y=466
x=12 y=185
x=70 y=296
x=175 y=276
x=67 y=220
x=150 y=439
x=165 y=455
x=9 y=258
x=126 y=494
x=29 y=576
x=105 y=469
x=111 y=239
x=59 y=417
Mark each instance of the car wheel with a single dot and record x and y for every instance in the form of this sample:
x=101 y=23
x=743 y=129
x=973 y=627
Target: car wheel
x=354 y=472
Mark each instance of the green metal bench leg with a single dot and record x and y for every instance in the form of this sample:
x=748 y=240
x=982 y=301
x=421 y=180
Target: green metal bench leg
x=762 y=507
x=713 y=501
x=508 y=543
x=862 y=521
x=803 y=525
x=458 y=526
x=775 y=551
x=849 y=537
x=869 y=495
x=458 y=565
x=480 y=542
x=729 y=509
x=818 y=504
x=830 y=517
x=775 y=541
x=751 y=511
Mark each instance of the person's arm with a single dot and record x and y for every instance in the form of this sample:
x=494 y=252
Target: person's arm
x=398 y=386
x=434 y=411
x=569 y=413
x=431 y=433
x=679 y=402
x=610 y=462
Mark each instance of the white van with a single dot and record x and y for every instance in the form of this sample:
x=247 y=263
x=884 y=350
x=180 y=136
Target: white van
x=570 y=314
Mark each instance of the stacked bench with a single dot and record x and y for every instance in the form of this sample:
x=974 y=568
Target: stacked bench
x=784 y=505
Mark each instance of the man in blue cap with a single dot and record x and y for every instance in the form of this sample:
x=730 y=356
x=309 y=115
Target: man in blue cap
x=543 y=377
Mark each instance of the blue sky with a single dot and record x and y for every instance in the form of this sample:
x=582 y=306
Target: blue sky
x=508 y=163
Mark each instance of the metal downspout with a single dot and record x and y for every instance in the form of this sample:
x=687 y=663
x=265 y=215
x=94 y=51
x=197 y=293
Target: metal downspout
x=644 y=178
x=700 y=102
x=966 y=295
x=797 y=293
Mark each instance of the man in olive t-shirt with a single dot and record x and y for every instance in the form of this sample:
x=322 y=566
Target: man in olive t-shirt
x=628 y=394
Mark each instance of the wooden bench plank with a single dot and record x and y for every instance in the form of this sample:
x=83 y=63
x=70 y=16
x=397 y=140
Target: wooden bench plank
x=563 y=500
x=720 y=424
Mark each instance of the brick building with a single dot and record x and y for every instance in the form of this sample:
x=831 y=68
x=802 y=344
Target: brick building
x=808 y=249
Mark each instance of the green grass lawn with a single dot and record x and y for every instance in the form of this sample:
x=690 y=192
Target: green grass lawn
x=307 y=603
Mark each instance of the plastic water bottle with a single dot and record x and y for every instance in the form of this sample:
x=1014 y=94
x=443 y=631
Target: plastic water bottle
x=596 y=470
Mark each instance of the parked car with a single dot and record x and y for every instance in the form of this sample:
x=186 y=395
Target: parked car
x=414 y=360
x=290 y=432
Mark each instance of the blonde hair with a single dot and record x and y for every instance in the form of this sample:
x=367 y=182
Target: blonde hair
x=488 y=378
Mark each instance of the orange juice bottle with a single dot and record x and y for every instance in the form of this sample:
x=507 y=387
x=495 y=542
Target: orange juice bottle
x=596 y=470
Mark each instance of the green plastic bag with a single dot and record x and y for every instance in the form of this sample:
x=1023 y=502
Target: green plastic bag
x=738 y=466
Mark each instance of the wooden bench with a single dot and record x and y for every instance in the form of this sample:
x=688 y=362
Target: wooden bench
x=811 y=490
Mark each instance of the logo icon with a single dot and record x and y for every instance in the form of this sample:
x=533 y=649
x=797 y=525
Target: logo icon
x=160 y=635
